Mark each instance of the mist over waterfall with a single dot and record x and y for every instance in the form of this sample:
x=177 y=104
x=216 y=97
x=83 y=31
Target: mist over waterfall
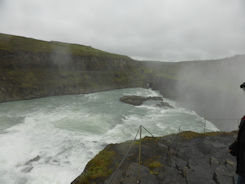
x=212 y=89
x=50 y=140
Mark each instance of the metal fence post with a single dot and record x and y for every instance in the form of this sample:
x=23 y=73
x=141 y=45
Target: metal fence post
x=204 y=127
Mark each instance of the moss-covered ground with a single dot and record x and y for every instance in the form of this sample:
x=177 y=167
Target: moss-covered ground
x=154 y=156
x=98 y=168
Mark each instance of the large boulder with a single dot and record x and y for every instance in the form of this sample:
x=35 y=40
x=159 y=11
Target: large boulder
x=139 y=100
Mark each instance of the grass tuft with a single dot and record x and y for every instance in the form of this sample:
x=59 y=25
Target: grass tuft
x=98 y=168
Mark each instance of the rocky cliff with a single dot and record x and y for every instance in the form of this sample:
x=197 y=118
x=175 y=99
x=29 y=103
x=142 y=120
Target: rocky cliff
x=32 y=68
x=187 y=157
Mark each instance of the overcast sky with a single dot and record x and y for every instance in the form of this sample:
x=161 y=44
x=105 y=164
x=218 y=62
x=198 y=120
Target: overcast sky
x=167 y=30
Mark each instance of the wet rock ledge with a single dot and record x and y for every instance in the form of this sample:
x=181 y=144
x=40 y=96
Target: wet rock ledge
x=139 y=100
x=187 y=157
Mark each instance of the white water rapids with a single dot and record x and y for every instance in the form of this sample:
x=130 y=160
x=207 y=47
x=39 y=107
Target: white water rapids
x=50 y=140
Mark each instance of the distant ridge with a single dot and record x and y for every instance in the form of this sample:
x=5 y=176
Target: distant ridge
x=32 y=68
x=19 y=43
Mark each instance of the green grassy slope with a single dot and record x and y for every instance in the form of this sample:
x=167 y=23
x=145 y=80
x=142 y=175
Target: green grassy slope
x=18 y=43
x=31 y=68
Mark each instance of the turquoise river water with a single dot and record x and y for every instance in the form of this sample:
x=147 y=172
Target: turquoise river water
x=50 y=140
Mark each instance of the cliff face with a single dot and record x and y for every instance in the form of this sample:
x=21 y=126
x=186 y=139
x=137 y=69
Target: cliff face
x=32 y=68
x=187 y=157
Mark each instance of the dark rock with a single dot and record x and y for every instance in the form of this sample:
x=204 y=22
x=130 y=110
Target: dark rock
x=213 y=162
x=35 y=159
x=27 y=169
x=133 y=174
x=180 y=164
x=164 y=105
x=170 y=176
x=136 y=173
x=222 y=175
x=139 y=100
x=230 y=163
x=196 y=158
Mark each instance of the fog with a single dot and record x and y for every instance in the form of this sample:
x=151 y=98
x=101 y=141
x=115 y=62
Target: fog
x=61 y=55
x=212 y=88
x=169 y=30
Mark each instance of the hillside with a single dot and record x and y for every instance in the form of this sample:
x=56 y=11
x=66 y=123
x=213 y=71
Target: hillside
x=32 y=68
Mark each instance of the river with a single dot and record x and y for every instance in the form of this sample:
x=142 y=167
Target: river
x=50 y=140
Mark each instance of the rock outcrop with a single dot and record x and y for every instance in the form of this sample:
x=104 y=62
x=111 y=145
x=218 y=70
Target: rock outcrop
x=187 y=157
x=139 y=100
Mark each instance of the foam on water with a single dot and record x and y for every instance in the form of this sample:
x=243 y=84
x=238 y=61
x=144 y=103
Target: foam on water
x=50 y=140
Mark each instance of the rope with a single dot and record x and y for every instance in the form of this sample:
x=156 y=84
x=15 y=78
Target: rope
x=124 y=158
x=138 y=176
x=129 y=149
x=140 y=145
x=140 y=148
x=147 y=131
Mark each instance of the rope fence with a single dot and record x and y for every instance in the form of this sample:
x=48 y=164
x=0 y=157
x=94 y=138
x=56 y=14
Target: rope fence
x=139 y=133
